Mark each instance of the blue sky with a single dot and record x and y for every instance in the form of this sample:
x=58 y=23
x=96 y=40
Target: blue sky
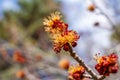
x=7 y=5
x=94 y=40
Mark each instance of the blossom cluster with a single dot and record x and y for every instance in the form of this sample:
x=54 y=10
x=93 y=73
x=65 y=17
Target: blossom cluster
x=59 y=33
x=76 y=72
x=20 y=74
x=107 y=64
x=18 y=57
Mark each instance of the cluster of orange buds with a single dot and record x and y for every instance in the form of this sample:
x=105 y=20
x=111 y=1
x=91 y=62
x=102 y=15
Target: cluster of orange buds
x=59 y=33
x=76 y=72
x=107 y=64
x=18 y=57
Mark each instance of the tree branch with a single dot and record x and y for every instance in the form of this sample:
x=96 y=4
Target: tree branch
x=81 y=62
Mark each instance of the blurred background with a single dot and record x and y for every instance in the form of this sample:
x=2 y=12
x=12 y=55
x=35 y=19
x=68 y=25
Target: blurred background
x=26 y=49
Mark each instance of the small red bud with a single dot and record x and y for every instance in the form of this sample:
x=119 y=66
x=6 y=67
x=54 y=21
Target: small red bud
x=105 y=63
x=66 y=47
x=57 y=50
x=76 y=75
x=66 y=25
x=114 y=69
x=74 y=44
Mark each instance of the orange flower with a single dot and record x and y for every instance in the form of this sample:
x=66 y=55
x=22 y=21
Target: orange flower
x=76 y=72
x=64 y=64
x=59 y=33
x=18 y=57
x=20 y=74
x=107 y=64
x=54 y=24
x=63 y=40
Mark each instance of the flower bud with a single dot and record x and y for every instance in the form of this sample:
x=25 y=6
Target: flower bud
x=91 y=7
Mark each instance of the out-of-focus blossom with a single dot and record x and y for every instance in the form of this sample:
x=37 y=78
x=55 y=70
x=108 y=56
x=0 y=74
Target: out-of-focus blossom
x=20 y=74
x=76 y=72
x=107 y=64
x=64 y=64
x=91 y=7
x=60 y=35
x=18 y=57
x=54 y=24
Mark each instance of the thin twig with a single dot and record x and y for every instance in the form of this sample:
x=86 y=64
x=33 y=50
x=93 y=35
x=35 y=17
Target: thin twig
x=107 y=17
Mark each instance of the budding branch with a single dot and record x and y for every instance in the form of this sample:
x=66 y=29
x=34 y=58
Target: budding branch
x=81 y=62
